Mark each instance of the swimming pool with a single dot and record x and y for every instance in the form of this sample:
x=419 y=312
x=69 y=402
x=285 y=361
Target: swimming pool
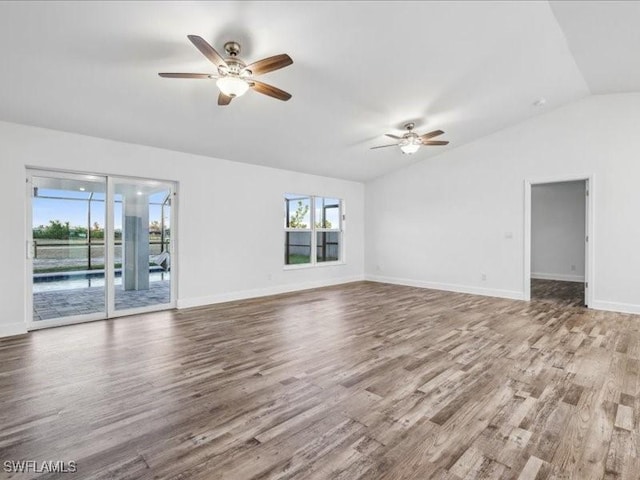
x=48 y=282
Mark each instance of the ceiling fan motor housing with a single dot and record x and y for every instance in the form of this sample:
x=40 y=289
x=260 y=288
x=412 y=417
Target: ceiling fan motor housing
x=232 y=48
x=235 y=67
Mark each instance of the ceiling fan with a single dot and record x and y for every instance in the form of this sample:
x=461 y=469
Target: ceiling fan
x=411 y=142
x=234 y=77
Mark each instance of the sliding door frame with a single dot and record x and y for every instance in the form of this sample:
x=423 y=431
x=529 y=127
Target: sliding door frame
x=110 y=311
x=110 y=273
x=29 y=251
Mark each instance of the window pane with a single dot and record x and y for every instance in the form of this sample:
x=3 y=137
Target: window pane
x=297 y=248
x=68 y=247
x=297 y=211
x=328 y=246
x=327 y=213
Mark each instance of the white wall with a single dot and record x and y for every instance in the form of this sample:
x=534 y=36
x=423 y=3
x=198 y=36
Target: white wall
x=216 y=197
x=558 y=231
x=446 y=221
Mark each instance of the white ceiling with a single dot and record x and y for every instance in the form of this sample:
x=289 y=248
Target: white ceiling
x=604 y=38
x=360 y=69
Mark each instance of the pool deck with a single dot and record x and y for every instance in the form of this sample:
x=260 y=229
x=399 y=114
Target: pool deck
x=82 y=301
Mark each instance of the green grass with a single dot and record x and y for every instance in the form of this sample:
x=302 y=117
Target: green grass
x=296 y=259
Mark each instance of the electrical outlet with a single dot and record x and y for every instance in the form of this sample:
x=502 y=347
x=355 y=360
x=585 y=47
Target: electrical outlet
x=484 y=277
x=573 y=268
x=378 y=268
x=269 y=276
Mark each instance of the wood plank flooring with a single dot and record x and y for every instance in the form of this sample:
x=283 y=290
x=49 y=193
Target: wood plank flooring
x=360 y=381
x=562 y=293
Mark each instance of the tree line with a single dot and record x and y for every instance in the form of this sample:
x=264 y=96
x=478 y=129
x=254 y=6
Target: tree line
x=57 y=230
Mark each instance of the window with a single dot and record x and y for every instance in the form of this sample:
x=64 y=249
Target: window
x=313 y=230
x=327 y=222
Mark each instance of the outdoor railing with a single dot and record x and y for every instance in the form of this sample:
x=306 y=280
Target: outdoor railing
x=89 y=246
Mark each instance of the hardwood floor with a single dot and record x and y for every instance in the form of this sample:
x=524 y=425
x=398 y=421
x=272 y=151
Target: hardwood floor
x=569 y=294
x=361 y=381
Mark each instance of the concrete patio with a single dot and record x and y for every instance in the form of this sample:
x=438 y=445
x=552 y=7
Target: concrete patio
x=82 y=301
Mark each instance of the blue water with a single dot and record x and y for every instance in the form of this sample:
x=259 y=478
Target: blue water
x=53 y=282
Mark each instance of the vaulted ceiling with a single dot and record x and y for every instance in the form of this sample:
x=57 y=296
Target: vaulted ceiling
x=361 y=69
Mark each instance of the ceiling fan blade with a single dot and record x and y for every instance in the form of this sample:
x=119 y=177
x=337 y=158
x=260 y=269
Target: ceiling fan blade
x=207 y=50
x=270 y=90
x=385 y=146
x=270 y=64
x=429 y=135
x=393 y=136
x=224 y=99
x=436 y=142
x=185 y=75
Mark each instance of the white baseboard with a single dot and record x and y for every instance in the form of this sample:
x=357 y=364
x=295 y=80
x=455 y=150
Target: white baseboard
x=11 y=329
x=449 y=287
x=615 y=306
x=489 y=292
x=263 y=292
x=558 y=276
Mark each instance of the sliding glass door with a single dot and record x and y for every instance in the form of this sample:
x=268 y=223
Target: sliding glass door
x=98 y=247
x=66 y=250
x=142 y=244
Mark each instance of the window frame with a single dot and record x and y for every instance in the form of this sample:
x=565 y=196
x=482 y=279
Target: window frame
x=314 y=231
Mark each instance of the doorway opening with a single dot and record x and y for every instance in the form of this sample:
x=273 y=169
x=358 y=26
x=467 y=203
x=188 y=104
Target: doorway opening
x=98 y=247
x=558 y=241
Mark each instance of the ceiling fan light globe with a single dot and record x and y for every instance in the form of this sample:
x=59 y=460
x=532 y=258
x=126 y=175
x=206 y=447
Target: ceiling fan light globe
x=410 y=143
x=232 y=86
x=410 y=148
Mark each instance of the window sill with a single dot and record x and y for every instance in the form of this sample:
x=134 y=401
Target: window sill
x=302 y=266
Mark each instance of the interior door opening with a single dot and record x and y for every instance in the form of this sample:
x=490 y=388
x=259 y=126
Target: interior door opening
x=558 y=256
x=98 y=247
